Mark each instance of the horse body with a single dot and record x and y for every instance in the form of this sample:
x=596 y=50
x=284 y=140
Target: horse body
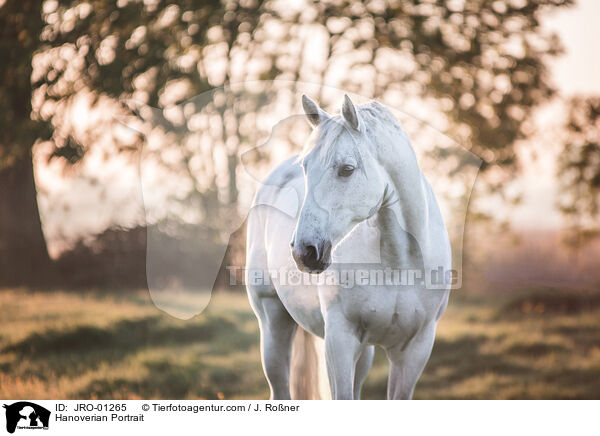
x=366 y=207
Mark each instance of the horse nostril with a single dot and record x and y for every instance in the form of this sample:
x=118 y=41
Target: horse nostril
x=292 y=243
x=311 y=256
x=311 y=253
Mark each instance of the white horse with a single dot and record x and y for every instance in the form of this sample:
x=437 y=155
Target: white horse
x=367 y=208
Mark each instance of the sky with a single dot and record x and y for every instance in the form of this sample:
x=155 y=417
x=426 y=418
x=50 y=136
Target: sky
x=578 y=70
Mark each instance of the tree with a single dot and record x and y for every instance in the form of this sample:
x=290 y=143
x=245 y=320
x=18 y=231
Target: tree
x=482 y=61
x=100 y=47
x=23 y=254
x=579 y=163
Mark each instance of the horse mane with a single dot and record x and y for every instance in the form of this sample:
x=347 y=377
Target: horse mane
x=375 y=121
x=378 y=121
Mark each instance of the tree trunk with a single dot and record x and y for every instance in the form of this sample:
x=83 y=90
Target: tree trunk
x=24 y=257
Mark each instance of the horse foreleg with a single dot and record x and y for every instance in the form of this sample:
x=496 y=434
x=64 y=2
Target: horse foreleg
x=342 y=349
x=407 y=363
x=277 y=329
x=362 y=369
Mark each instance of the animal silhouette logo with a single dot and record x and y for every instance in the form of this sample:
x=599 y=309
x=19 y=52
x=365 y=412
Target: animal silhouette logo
x=26 y=415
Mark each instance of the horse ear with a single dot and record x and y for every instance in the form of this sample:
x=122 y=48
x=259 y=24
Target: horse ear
x=313 y=112
x=349 y=113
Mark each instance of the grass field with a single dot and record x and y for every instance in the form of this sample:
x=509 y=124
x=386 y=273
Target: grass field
x=66 y=345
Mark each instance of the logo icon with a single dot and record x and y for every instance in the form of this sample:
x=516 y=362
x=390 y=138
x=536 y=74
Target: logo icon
x=26 y=415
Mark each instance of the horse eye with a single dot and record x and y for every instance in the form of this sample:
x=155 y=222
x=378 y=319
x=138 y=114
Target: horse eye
x=346 y=171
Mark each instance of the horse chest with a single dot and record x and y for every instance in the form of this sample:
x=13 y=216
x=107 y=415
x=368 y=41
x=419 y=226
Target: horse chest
x=381 y=315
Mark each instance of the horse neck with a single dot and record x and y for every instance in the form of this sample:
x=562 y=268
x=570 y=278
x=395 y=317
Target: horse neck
x=403 y=219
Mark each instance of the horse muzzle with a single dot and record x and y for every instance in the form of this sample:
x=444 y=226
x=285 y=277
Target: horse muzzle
x=312 y=257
